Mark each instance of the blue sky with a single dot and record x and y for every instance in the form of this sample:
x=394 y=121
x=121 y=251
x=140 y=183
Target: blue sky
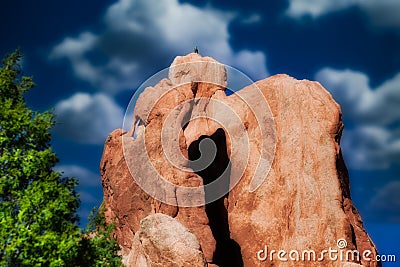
x=87 y=58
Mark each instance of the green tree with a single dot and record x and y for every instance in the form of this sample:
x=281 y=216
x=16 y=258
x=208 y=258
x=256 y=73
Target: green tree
x=37 y=206
x=101 y=249
x=38 y=221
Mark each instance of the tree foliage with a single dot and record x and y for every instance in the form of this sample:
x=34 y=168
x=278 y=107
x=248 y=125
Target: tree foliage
x=37 y=206
x=101 y=247
x=38 y=221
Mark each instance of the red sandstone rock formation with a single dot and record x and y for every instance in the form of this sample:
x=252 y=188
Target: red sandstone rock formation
x=288 y=185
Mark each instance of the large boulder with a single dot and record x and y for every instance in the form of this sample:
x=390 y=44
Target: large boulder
x=162 y=241
x=276 y=179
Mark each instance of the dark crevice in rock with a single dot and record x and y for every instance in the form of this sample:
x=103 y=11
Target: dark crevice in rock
x=343 y=175
x=194 y=88
x=227 y=251
x=186 y=118
x=353 y=236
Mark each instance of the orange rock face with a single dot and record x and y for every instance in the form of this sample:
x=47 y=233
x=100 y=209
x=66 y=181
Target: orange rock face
x=250 y=173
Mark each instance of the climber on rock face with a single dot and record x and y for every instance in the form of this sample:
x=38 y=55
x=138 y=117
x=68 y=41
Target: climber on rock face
x=196 y=50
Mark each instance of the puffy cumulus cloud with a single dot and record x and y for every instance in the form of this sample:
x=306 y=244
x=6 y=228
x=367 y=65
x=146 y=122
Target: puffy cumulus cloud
x=366 y=105
x=111 y=75
x=74 y=48
x=249 y=63
x=380 y=13
x=139 y=34
x=316 y=8
x=373 y=141
x=386 y=202
x=86 y=118
x=371 y=147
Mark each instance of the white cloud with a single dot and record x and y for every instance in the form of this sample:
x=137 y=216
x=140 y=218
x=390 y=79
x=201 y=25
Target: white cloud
x=249 y=63
x=85 y=177
x=386 y=202
x=369 y=143
x=139 y=34
x=252 y=19
x=75 y=49
x=316 y=8
x=366 y=105
x=108 y=76
x=370 y=147
x=87 y=118
x=383 y=13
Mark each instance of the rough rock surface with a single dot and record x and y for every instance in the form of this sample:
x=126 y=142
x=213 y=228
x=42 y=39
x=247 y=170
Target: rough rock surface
x=163 y=241
x=302 y=203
